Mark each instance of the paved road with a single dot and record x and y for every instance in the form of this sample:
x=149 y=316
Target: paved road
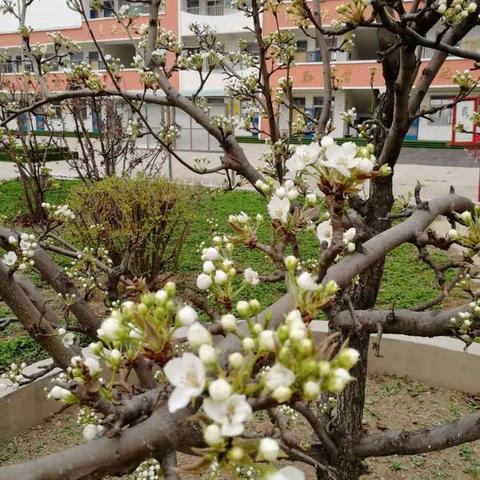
x=436 y=169
x=438 y=157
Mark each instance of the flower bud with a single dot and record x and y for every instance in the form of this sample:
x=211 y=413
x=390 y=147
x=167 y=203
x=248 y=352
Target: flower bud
x=219 y=390
x=115 y=358
x=269 y=449
x=452 y=234
x=323 y=368
x=187 y=316
x=466 y=216
x=347 y=358
x=255 y=306
x=207 y=354
x=236 y=454
x=198 y=335
x=213 y=435
x=282 y=394
x=248 y=344
x=385 y=170
x=311 y=390
x=229 y=322
x=310 y=199
x=291 y=263
x=267 y=340
x=220 y=277
x=208 y=267
x=236 y=360
x=306 y=346
x=204 y=281
x=331 y=288
x=243 y=308
x=170 y=288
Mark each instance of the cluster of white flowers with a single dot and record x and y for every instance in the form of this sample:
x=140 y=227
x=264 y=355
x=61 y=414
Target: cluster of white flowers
x=464 y=322
x=169 y=134
x=219 y=270
x=68 y=338
x=353 y=11
x=23 y=254
x=13 y=374
x=324 y=235
x=133 y=128
x=296 y=371
x=148 y=470
x=309 y=297
x=456 y=11
x=279 y=205
x=225 y=124
x=60 y=213
x=350 y=116
x=468 y=234
x=464 y=80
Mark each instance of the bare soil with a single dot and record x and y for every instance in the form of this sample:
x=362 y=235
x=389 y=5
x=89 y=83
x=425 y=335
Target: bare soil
x=392 y=402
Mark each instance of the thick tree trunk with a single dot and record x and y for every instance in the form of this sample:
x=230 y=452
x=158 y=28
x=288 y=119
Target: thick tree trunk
x=350 y=404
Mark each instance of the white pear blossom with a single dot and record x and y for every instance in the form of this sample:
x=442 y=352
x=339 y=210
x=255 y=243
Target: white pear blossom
x=306 y=282
x=59 y=393
x=251 y=276
x=349 y=235
x=12 y=240
x=68 y=339
x=278 y=208
x=204 y=281
x=279 y=376
x=10 y=258
x=111 y=329
x=326 y=141
x=187 y=316
x=304 y=155
x=286 y=473
x=324 y=232
x=187 y=375
x=342 y=158
x=243 y=308
x=230 y=414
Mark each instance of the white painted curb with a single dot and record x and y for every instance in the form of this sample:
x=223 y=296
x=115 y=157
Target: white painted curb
x=440 y=362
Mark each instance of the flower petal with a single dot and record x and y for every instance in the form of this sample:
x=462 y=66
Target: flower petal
x=179 y=399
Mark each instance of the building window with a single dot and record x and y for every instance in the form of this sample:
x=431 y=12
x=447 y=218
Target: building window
x=8 y=66
x=442 y=117
x=95 y=61
x=76 y=58
x=301 y=54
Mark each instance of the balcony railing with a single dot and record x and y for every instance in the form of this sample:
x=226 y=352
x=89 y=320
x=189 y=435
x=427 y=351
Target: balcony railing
x=310 y=56
x=210 y=8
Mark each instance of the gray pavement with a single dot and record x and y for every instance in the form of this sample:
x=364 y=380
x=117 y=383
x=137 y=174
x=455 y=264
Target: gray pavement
x=436 y=169
x=437 y=156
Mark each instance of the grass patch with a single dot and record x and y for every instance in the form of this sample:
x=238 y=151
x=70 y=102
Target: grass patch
x=406 y=282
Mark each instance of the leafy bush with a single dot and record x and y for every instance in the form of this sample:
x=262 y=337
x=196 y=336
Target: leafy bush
x=142 y=222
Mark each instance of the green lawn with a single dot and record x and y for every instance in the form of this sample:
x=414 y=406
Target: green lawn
x=406 y=282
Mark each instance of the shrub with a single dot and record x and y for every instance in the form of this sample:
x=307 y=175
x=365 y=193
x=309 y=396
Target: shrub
x=142 y=222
